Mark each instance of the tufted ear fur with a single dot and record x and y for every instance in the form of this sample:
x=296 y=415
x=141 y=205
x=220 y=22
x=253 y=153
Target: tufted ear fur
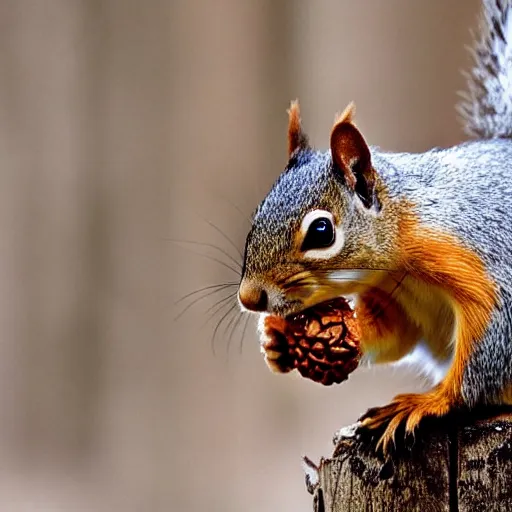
x=296 y=137
x=351 y=157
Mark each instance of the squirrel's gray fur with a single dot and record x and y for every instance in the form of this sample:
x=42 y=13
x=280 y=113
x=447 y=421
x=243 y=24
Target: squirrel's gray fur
x=465 y=191
x=486 y=107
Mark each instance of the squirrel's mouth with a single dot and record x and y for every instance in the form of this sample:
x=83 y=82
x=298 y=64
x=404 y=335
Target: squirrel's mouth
x=344 y=285
x=327 y=310
x=293 y=308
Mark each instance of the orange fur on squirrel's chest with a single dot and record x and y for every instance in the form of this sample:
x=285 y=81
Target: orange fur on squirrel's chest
x=440 y=295
x=441 y=261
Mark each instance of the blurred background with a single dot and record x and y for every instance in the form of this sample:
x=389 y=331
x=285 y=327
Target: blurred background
x=127 y=125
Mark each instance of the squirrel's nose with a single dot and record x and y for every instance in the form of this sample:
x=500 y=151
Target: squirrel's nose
x=253 y=296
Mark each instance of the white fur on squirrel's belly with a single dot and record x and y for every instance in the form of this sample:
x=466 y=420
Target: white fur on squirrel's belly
x=422 y=360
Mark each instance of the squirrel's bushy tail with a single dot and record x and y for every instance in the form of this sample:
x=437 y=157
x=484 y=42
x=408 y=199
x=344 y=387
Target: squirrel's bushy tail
x=486 y=107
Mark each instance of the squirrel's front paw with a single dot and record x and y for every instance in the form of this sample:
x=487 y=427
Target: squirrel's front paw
x=274 y=344
x=405 y=410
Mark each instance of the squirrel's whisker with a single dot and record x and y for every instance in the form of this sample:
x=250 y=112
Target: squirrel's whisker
x=236 y=207
x=226 y=237
x=245 y=215
x=195 y=301
x=236 y=323
x=219 y=323
x=240 y=346
x=229 y=324
x=206 y=244
x=218 y=306
x=199 y=290
x=220 y=262
x=213 y=306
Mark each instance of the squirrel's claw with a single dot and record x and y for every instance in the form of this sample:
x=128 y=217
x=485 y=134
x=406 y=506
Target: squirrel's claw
x=405 y=410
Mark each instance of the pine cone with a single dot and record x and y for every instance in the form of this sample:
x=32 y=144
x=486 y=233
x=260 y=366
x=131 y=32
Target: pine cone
x=321 y=342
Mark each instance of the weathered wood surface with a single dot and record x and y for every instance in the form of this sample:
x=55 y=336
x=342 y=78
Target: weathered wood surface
x=453 y=466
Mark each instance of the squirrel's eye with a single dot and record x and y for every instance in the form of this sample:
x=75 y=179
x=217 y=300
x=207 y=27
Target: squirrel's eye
x=320 y=234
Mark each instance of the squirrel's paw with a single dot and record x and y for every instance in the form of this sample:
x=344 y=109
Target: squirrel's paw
x=405 y=410
x=274 y=344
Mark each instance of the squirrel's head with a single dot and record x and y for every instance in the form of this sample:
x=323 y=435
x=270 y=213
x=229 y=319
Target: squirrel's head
x=315 y=237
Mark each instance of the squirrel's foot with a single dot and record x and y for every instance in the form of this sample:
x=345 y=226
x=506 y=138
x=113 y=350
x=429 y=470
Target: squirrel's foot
x=274 y=345
x=407 y=410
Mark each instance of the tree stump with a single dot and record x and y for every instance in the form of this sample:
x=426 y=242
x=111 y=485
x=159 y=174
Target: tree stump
x=459 y=464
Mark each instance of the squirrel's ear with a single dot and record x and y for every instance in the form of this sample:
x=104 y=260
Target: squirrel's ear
x=296 y=137
x=351 y=156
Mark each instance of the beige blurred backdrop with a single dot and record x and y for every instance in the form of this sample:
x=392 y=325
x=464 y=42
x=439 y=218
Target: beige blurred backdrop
x=124 y=124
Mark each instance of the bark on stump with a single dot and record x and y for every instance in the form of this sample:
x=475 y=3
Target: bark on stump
x=457 y=465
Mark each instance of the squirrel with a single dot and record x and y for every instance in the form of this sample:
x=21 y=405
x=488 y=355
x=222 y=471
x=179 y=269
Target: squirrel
x=422 y=242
